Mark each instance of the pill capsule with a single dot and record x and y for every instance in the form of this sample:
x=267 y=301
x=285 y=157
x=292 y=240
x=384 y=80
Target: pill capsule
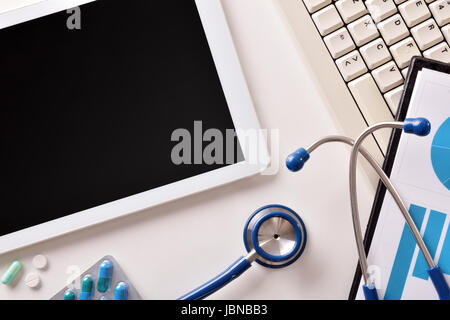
x=87 y=286
x=105 y=272
x=11 y=273
x=70 y=295
x=121 y=291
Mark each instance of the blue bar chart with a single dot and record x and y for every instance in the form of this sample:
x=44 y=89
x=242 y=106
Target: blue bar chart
x=434 y=233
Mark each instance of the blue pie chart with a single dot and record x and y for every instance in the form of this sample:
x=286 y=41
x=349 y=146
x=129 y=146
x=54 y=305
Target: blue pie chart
x=440 y=153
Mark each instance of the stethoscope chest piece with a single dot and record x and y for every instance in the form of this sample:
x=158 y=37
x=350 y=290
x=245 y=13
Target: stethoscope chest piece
x=274 y=236
x=277 y=234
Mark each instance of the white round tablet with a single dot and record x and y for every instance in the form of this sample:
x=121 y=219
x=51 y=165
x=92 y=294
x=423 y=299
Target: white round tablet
x=40 y=261
x=32 y=280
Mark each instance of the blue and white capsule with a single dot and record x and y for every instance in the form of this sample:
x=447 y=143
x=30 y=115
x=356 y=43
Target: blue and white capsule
x=121 y=291
x=87 y=287
x=105 y=273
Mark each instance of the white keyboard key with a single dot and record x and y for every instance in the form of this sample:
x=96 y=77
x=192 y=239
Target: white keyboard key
x=399 y=1
x=375 y=53
x=446 y=32
x=427 y=34
x=393 y=29
x=363 y=30
x=327 y=20
x=387 y=76
x=405 y=72
x=351 y=65
x=372 y=105
x=381 y=9
x=314 y=5
x=429 y=1
x=351 y=9
x=414 y=12
x=441 y=52
x=441 y=11
x=403 y=51
x=393 y=99
x=339 y=43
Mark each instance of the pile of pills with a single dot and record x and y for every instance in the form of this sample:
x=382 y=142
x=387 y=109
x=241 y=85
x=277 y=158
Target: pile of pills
x=105 y=273
x=32 y=280
x=105 y=280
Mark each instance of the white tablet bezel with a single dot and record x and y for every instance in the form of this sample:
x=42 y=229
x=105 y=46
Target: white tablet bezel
x=241 y=109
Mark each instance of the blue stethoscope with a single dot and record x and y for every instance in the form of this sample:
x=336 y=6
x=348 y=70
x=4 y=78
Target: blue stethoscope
x=417 y=126
x=275 y=235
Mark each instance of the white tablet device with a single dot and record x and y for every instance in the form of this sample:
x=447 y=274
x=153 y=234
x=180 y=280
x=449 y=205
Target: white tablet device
x=112 y=106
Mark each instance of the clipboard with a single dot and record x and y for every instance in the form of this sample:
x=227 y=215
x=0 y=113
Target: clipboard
x=417 y=65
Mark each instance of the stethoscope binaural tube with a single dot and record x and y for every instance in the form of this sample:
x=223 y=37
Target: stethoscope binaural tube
x=274 y=236
x=418 y=126
x=296 y=161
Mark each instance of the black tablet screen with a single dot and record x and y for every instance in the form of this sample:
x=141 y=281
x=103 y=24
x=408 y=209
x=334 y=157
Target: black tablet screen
x=89 y=102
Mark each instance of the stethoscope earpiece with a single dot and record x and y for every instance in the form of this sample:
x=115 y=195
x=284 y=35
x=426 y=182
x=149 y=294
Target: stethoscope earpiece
x=418 y=126
x=296 y=160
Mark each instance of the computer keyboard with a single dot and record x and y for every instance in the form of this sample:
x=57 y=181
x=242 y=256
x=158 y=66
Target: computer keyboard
x=373 y=41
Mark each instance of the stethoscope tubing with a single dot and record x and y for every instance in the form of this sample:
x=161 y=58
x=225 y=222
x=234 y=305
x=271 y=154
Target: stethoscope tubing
x=380 y=172
x=392 y=190
x=421 y=127
x=369 y=289
x=434 y=271
x=232 y=272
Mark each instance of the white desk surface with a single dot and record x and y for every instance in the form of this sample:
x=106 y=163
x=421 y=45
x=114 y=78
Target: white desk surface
x=168 y=250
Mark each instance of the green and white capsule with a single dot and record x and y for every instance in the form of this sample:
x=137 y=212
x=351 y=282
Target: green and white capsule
x=105 y=273
x=87 y=287
x=12 y=272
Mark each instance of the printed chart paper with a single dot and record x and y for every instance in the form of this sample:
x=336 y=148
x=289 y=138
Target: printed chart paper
x=421 y=173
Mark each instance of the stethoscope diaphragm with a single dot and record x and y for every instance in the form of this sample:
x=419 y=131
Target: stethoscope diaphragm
x=277 y=234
